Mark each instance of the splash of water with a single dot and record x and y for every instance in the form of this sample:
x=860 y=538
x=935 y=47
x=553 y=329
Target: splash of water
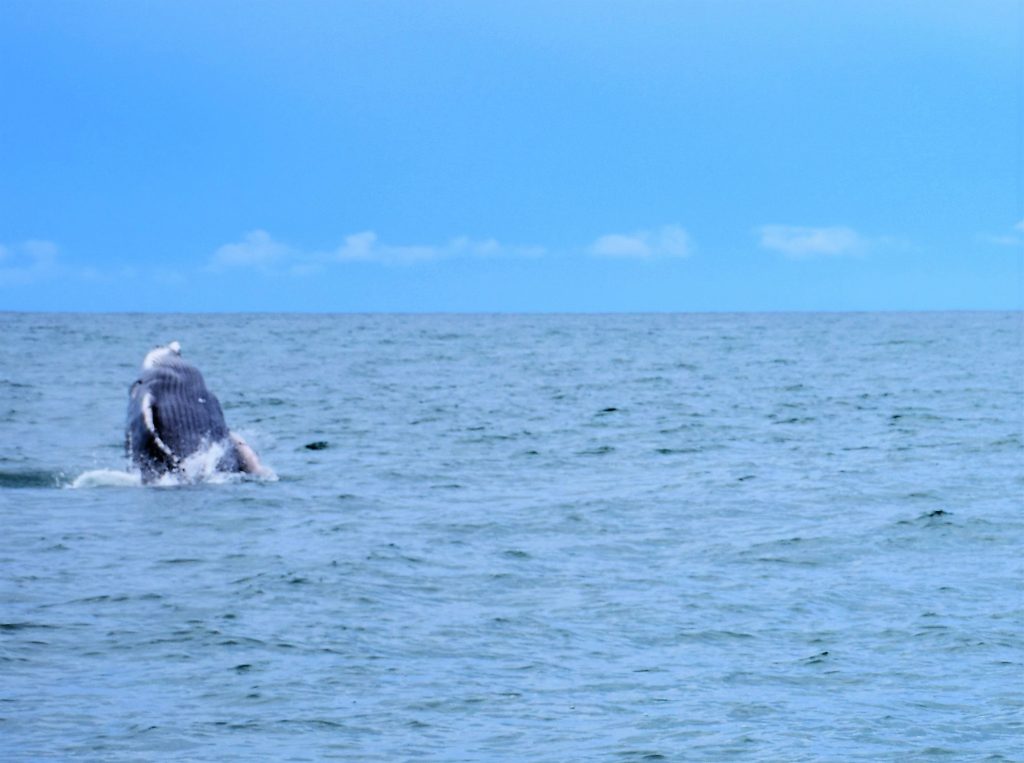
x=199 y=468
x=107 y=478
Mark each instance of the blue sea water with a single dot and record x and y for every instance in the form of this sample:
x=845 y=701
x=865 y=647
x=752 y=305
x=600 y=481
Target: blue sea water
x=544 y=538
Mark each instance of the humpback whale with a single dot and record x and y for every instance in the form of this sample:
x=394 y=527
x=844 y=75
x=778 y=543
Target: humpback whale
x=172 y=416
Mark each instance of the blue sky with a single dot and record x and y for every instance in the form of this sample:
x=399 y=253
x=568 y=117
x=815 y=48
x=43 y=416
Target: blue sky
x=529 y=156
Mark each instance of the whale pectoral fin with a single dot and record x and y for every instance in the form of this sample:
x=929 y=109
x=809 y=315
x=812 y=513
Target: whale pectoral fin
x=247 y=458
x=148 y=421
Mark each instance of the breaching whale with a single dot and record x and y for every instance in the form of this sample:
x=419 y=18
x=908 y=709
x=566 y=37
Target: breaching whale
x=172 y=416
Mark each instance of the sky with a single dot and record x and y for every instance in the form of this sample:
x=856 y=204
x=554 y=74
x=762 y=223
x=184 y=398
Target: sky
x=477 y=156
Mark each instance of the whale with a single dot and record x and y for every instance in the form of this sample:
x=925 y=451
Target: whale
x=172 y=415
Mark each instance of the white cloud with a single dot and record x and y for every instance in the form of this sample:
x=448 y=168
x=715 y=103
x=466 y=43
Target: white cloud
x=801 y=242
x=258 y=249
x=667 y=241
x=367 y=247
x=1014 y=238
x=1002 y=240
x=358 y=246
x=28 y=262
x=40 y=251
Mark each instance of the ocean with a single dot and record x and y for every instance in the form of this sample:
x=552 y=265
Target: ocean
x=778 y=537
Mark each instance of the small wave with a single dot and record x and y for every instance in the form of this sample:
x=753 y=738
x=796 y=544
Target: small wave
x=31 y=478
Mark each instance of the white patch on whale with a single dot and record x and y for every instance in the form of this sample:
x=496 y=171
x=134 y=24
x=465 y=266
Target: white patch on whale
x=158 y=354
x=147 y=417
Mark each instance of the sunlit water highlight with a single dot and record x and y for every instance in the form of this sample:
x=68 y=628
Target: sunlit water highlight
x=548 y=538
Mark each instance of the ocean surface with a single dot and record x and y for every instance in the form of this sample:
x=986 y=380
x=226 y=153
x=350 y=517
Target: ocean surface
x=522 y=538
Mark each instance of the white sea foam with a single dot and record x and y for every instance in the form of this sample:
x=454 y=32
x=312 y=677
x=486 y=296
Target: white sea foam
x=199 y=468
x=107 y=478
